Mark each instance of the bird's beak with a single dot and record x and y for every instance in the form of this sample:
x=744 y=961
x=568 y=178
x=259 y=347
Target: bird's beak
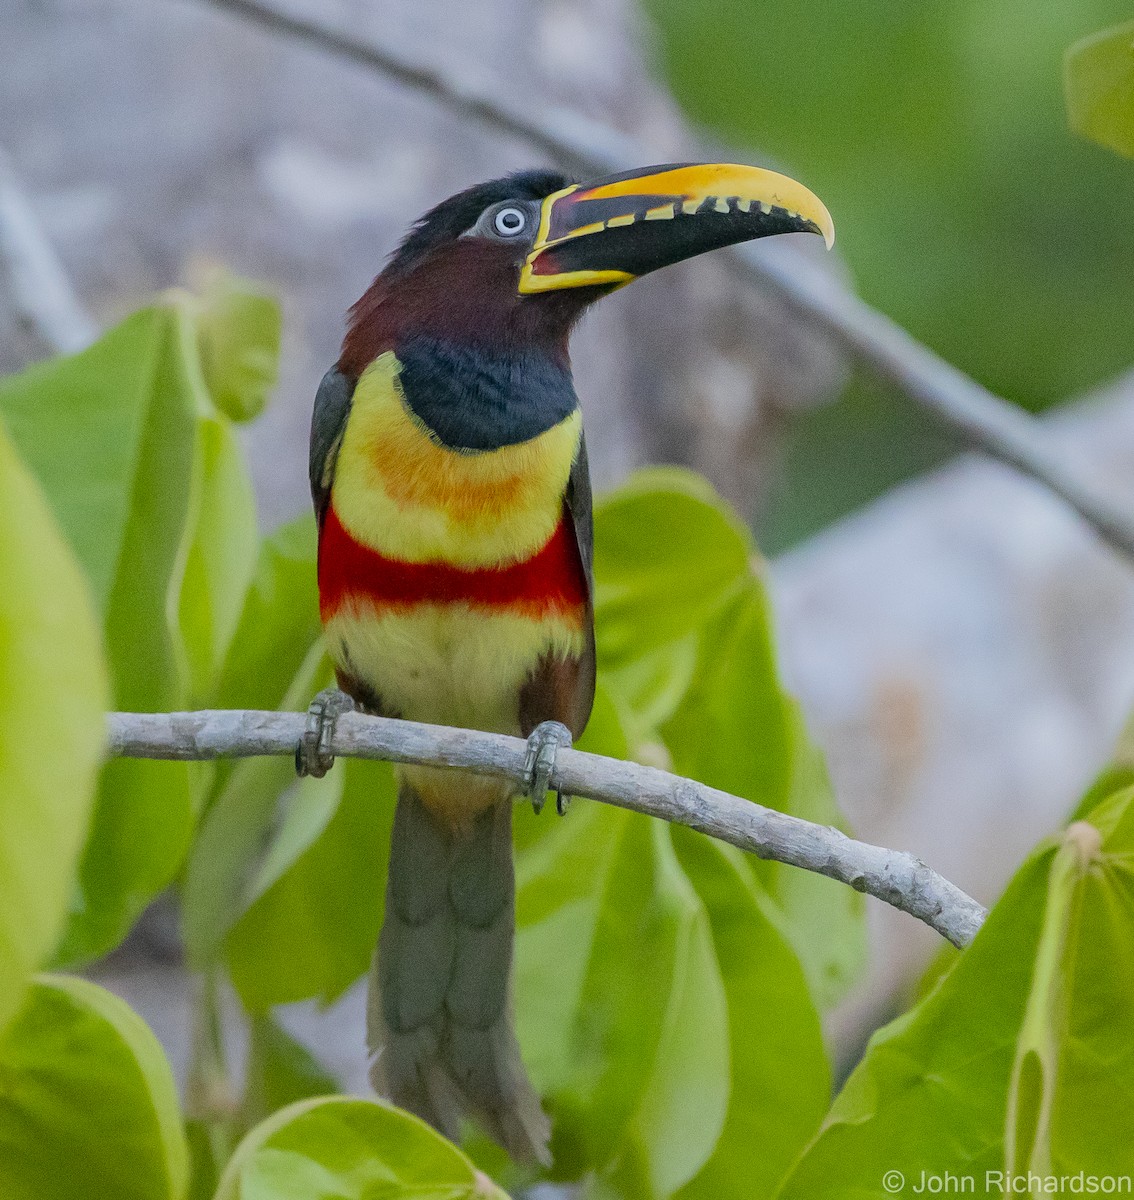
x=615 y=229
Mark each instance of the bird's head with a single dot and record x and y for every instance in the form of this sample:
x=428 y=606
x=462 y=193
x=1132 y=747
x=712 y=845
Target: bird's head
x=514 y=262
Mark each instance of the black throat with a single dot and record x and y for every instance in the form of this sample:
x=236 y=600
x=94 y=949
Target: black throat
x=474 y=399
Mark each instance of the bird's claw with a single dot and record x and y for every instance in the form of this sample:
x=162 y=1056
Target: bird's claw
x=544 y=742
x=313 y=754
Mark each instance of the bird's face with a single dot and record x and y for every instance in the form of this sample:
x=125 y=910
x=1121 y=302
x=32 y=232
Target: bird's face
x=517 y=260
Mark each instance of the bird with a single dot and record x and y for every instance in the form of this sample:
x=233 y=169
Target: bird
x=449 y=477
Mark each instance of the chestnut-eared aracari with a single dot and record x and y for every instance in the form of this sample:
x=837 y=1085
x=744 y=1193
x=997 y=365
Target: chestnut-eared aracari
x=449 y=476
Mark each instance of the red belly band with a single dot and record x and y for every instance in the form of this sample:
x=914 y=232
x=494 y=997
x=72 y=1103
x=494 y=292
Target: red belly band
x=551 y=581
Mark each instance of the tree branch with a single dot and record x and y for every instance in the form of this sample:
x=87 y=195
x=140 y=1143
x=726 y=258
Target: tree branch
x=40 y=290
x=894 y=876
x=982 y=419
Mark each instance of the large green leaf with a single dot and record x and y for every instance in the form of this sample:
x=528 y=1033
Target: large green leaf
x=1073 y=1074
x=1098 y=81
x=279 y=624
x=319 y=892
x=703 y=679
x=1019 y=1059
x=236 y=833
x=780 y=1081
x=335 y=1148
x=559 y=880
x=931 y=1089
x=824 y=919
x=150 y=486
x=88 y=1107
x=666 y=552
x=143 y=823
x=621 y=1011
x=662 y=1011
x=668 y=1139
x=620 y=941
x=608 y=917
x=733 y=729
x=108 y=432
x=275 y=639
x=53 y=697
x=220 y=556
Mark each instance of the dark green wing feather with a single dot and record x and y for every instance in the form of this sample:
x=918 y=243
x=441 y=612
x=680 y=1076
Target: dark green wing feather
x=332 y=407
x=563 y=689
x=581 y=507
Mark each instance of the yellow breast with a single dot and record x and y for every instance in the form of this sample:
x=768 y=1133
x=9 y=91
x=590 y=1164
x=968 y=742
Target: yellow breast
x=402 y=493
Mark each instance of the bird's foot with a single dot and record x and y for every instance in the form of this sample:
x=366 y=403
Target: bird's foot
x=313 y=754
x=544 y=742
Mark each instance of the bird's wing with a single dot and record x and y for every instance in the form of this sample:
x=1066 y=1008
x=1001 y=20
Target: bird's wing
x=581 y=507
x=328 y=421
x=563 y=689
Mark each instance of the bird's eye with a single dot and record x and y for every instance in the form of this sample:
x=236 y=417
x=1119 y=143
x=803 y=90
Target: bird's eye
x=509 y=221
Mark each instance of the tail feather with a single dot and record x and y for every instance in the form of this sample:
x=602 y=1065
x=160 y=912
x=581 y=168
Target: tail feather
x=439 y=1015
x=486 y=1063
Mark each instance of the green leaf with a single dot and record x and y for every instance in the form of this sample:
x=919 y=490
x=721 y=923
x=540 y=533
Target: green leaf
x=931 y=1088
x=647 y=691
x=645 y=979
x=88 y=1106
x=559 y=878
x=694 y=665
x=1073 y=1073
x=648 y=536
x=1019 y=1059
x=279 y=624
x=738 y=730
x=1098 y=82
x=780 y=1081
x=638 y=972
x=148 y=482
x=1115 y=776
x=825 y=920
x=141 y=831
x=733 y=728
x=621 y=1010
x=238 y=329
x=278 y=632
x=141 y=626
x=341 y=1149
x=629 y=979
x=109 y=435
x=281 y=1071
x=220 y=556
x=320 y=892
x=669 y=1141
x=236 y=832
x=53 y=697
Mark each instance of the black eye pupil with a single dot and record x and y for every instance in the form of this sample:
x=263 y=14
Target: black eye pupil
x=509 y=221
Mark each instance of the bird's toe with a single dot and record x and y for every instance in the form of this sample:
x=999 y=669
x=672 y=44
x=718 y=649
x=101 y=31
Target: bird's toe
x=313 y=753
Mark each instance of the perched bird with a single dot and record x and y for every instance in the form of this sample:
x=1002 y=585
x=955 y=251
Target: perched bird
x=449 y=477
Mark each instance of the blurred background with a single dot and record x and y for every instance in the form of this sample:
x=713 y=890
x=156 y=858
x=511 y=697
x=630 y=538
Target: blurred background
x=961 y=644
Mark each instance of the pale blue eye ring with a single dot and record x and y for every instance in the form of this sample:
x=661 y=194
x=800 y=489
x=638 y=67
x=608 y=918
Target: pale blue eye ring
x=509 y=221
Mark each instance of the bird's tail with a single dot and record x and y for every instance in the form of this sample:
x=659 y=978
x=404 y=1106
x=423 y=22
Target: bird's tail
x=439 y=1017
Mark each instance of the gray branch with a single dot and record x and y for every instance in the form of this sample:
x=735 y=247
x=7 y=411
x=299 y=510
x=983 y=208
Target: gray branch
x=982 y=419
x=894 y=876
x=39 y=287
